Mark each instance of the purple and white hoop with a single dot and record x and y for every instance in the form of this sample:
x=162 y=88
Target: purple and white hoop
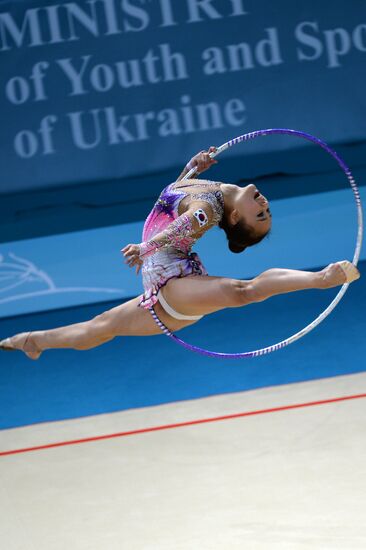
x=339 y=296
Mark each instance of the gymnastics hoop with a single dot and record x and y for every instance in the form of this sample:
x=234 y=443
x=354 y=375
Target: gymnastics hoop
x=339 y=296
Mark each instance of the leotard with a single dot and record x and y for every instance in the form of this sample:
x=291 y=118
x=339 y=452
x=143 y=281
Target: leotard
x=173 y=258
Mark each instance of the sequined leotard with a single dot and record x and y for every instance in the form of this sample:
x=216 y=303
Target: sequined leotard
x=175 y=258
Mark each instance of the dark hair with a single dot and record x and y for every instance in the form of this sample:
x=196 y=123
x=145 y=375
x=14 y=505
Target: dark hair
x=240 y=236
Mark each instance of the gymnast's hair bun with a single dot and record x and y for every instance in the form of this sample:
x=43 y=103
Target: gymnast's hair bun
x=235 y=247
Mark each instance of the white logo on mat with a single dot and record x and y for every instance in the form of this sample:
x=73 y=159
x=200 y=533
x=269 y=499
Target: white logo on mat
x=19 y=271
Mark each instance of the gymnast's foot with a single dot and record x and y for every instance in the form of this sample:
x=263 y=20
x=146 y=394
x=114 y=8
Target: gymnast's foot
x=22 y=342
x=339 y=273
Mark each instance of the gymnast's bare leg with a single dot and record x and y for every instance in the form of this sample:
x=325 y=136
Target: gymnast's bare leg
x=124 y=320
x=192 y=295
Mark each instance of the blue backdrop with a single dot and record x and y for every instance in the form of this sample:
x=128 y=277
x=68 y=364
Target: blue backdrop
x=103 y=89
x=101 y=102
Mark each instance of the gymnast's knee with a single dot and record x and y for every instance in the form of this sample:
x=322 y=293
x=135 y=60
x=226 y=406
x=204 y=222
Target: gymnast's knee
x=103 y=324
x=244 y=293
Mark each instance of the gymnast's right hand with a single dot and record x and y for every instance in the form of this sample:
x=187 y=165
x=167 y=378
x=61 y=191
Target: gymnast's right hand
x=202 y=161
x=131 y=252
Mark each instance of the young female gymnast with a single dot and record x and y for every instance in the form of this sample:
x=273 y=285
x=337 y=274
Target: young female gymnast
x=175 y=281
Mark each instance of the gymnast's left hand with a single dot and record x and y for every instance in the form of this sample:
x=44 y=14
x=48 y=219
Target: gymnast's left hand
x=131 y=252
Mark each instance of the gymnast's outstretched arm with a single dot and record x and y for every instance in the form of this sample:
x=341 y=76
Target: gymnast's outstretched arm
x=192 y=224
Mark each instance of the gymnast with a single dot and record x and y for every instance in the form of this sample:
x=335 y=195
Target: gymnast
x=177 y=289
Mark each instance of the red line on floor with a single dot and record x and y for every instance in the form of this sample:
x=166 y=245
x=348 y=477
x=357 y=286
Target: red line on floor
x=183 y=424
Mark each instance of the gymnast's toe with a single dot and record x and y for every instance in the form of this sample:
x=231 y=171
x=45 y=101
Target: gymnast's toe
x=351 y=271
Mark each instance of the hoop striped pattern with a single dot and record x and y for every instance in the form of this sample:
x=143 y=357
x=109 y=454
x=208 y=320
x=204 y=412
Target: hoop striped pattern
x=342 y=291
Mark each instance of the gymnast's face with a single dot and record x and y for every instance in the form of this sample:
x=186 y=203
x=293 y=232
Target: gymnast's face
x=251 y=205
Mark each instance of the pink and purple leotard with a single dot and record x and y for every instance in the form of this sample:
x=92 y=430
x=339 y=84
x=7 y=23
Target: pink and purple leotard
x=175 y=258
